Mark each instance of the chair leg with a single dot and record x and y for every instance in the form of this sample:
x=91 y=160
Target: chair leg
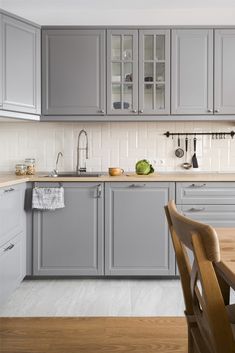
x=191 y=345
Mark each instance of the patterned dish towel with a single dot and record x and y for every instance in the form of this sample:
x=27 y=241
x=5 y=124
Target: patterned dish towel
x=48 y=198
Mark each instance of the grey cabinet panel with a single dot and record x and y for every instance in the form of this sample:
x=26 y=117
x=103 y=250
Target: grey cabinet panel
x=122 y=72
x=12 y=265
x=205 y=193
x=20 y=66
x=136 y=233
x=215 y=215
x=12 y=218
x=73 y=72
x=192 y=71
x=69 y=241
x=224 y=71
x=154 y=72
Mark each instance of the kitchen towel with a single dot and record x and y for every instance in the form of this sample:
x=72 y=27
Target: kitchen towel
x=48 y=198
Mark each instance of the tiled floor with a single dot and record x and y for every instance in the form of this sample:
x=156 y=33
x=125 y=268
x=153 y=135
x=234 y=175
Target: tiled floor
x=96 y=297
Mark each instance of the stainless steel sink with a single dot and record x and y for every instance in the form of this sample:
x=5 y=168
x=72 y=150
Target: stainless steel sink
x=79 y=175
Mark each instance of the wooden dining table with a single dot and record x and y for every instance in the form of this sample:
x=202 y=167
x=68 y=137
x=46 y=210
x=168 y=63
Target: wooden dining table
x=226 y=266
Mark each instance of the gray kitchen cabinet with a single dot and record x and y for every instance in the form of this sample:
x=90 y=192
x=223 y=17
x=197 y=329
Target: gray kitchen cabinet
x=154 y=72
x=224 y=86
x=12 y=265
x=137 y=239
x=20 y=66
x=73 y=72
x=122 y=72
x=69 y=241
x=192 y=71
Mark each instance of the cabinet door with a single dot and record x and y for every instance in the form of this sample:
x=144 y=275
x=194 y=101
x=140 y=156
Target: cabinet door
x=73 y=72
x=12 y=266
x=154 y=72
x=21 y=89
x=69 y=241
x=137 y=240
x=192 y=72
x=224 y=71
x=122 y=72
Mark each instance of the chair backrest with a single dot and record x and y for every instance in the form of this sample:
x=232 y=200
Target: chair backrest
x=204 y=297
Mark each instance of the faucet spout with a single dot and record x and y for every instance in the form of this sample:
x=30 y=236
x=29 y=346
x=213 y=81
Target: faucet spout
x=80 y=168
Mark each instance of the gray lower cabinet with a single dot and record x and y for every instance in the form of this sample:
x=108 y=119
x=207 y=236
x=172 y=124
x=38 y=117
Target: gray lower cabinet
x=73 y=72
x=224 y=71
x=20 y=63
x=192 y=71
x=137 y=240
x=12 y=239
x=69 y=241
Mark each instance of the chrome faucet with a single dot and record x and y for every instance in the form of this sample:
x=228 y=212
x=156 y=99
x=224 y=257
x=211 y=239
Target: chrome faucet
x=55 y=171
x=79 y=168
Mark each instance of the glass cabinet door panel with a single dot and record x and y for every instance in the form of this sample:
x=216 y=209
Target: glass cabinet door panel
x=127 y=96
x=160 y=47
x=116 y=72
x=127 y=47
x=160 y=96
x=148 y=97
x=148 y=72
x=160 y=72
x=116 y=47
x=148 y=47
x=128 y=72
x=116 y=97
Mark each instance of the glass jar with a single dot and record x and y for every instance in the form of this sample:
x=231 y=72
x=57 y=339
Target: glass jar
x=20 y=169
x=30 y=163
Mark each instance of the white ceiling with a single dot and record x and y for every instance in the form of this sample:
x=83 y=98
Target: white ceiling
x=124 y=12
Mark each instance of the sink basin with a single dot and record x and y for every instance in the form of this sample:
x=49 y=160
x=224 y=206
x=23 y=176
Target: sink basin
x=79 y=175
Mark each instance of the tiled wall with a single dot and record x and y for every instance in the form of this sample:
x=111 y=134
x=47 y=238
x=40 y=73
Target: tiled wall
x=112 y=144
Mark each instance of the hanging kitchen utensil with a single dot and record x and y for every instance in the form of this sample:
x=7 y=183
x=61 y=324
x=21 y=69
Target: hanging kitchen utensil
x=194 y=157
x=186 y=165
x=179 y=152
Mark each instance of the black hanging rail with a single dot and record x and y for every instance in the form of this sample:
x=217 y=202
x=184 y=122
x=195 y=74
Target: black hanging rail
x=213 y=134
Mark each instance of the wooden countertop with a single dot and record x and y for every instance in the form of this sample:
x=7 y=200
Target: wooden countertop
x=11 y=179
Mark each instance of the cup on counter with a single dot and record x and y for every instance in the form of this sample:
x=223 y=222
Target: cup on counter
x=116 y=171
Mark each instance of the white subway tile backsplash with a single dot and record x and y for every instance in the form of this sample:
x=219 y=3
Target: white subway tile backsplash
x=113 y=144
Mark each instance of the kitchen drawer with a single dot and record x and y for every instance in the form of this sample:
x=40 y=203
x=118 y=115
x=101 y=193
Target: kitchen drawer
x=12 y=265
x=215 y=215
x=205 y=193
x=11 y=211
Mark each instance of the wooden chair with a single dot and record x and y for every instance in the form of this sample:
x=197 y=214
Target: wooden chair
x=206 y=296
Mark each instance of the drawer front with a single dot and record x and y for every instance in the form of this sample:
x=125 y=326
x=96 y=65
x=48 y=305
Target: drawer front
x=215 y=215
x=205 y=193
x=11 y=211
x=12 y=266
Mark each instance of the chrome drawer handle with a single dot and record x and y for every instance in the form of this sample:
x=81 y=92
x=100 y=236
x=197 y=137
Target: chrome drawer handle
x=193 y=209
x=11 y=246
x=98 y=191
x=137 y=186
x=9 y=190
x=197 y=185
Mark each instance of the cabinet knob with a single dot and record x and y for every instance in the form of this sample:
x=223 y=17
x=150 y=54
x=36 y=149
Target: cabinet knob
x=141 y=111
x=134 y=111
x=11 y=246
x=210 y=110
x=101 y=111
x=216 y=110
x=197 y=185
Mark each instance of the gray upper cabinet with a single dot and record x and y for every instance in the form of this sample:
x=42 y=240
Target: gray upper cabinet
x=73 y=72
x=154 y=72
x=137 y=240
x=122 y=72
x=69 y=241
x=20 y=66
x=224 y=71
x=192 y=71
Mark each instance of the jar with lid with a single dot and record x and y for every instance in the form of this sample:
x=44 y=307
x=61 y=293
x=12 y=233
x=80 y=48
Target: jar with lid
x=30 y=163
x=20 y=169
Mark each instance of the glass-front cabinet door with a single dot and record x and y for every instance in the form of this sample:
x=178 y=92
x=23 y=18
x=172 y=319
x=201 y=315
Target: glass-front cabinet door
x=122 y=72
x=154 y=72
